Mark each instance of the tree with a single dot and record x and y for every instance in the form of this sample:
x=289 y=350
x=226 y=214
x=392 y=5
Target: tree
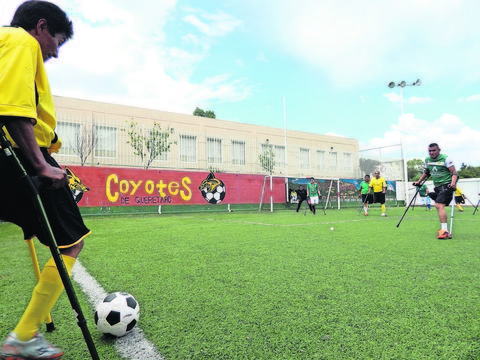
x=210 y=114
x=85 y=141
x=202 y=113
x=415 y=169
x=149 y=144
x=199 y=112
x=267 y=158
x=368 y=166
x=468 y=172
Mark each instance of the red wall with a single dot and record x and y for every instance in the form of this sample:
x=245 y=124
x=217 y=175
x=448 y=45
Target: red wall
x=138 y=187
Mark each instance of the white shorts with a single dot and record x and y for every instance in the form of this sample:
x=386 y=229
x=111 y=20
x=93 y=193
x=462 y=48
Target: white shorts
x=313 y=200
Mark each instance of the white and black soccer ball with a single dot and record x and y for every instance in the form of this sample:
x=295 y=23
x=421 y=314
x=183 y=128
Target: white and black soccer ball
x=214 y=196
x=213 y=190
x=117 y=314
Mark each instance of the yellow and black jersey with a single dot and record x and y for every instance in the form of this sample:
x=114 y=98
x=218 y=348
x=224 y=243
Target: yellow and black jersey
x=24 y=87
x=378 y=184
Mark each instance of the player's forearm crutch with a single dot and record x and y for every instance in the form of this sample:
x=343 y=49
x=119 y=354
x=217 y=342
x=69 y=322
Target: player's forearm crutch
x=468 y=199
x=452 y=213
x=476 y=207
x=24 y=178
x=413 y=200
x=36 y=270
x=328 y=197
x=362 y=205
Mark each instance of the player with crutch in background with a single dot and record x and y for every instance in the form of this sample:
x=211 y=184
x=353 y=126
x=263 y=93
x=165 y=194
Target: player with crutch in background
x=444 y=176
x=313 y=194
x=423 y=192
x=364 y=195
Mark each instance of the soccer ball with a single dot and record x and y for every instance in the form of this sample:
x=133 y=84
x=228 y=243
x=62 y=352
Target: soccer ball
x=212 y=189
x=214 y=192
x=215 y=196
x=117 y=314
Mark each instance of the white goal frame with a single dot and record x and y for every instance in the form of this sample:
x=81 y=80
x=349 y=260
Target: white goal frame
x=268 y=181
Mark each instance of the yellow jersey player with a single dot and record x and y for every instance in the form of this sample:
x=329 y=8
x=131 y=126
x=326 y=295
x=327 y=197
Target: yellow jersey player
x=379 y=186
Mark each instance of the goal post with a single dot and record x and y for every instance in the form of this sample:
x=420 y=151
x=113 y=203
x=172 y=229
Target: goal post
x=336 y=193
x=390 y=161
x=329 y=190
x=272 y=186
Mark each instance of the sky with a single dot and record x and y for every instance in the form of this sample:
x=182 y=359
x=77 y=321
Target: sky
x=319 y=66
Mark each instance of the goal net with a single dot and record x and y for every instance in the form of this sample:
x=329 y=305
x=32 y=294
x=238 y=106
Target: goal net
x=391 y=163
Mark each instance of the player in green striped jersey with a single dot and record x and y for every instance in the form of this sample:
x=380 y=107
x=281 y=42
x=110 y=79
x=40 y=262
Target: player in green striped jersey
x=444 y=176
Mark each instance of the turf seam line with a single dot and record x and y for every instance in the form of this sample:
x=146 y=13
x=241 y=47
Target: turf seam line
x=132 y=346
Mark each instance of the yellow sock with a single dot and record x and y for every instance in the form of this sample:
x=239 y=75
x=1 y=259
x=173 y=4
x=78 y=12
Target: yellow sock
x=384 y=209
x=45 y=295
x=459 y=207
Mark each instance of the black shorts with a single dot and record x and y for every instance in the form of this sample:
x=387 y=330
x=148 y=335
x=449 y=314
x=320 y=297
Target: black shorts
x=379 y=197
x=367 y=198
x=17 y=206
x=459 y=199
x=442 y=195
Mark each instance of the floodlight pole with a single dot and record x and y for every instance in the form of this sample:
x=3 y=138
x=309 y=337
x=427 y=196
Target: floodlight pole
x=285 y=152
x=401 y=85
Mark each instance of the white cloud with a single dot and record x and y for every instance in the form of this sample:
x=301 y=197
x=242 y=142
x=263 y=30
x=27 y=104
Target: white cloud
x=121 y=54
x=475 y=97
x=396 y=98
x=454 y=137
x=393 y=97
x=356 y=43
x=213 y=25
x=418 y=100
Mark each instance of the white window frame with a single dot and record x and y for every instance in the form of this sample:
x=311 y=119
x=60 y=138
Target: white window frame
x=68 y=132
x=304 y=158
x=280 y=156
x=239 y=153
x=188 y=148
x=214 y=150
x=107 y=141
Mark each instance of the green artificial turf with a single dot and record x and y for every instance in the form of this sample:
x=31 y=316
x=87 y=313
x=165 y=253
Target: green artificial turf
x=274 y=285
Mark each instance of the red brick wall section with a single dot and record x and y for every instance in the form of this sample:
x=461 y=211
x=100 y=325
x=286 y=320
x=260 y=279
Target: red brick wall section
x=109 y=186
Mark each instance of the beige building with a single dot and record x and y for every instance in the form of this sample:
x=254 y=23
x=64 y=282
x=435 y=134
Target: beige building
x=95 y=133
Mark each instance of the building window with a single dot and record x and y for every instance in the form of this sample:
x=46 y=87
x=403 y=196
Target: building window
x=304 y=158
x=238 y=152
x=214 y=151
x=188 y=148
x=279 y=156
x=347 y=161
x=69 y=133
x=106 y=143
x=320 y=159
x=333 y=160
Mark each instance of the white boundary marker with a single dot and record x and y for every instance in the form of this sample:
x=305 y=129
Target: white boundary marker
x=132 y=346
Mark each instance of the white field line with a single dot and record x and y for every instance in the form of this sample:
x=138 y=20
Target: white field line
x=131 y=346
x=284 y=225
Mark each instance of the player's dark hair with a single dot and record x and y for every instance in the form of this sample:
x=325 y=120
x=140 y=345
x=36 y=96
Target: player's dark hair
x=30 y=12
x=434 y=145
